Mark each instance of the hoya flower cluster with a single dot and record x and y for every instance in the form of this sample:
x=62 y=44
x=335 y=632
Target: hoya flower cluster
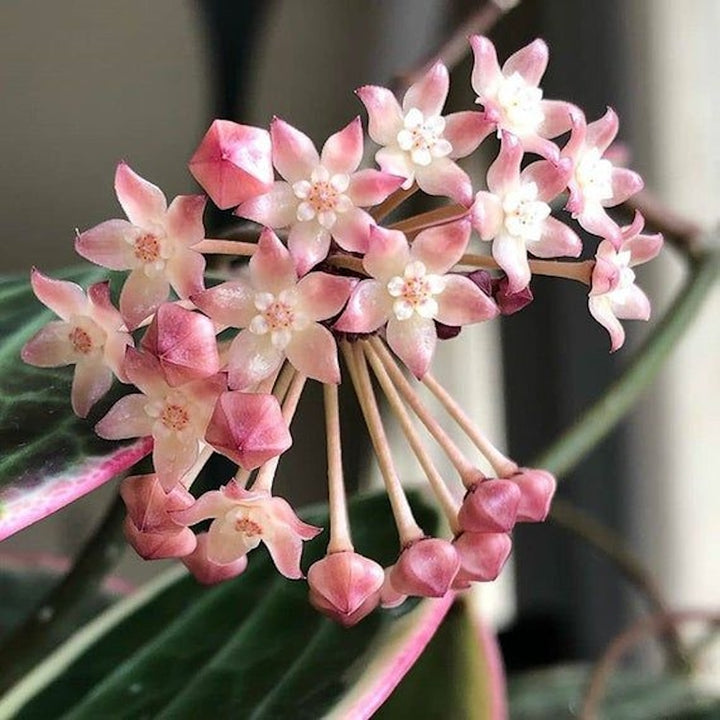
x=220 y=368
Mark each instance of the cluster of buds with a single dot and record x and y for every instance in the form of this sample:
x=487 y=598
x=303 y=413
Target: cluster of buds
x=221 y=368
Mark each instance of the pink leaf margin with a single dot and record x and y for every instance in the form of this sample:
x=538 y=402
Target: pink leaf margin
x=21 y=507
x=410 y=636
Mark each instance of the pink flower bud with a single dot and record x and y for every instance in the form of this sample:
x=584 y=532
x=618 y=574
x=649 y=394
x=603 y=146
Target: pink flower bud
x=233 y=163
x=426 y=568
x=537 y=488
x=159 y=545
x=510 y=303
x=482 y=556
x=148 y=505
x=389 y=596
x=184 y=343
x=345 y=586
x=248 y=428
x=207 y=571
x=490 y=506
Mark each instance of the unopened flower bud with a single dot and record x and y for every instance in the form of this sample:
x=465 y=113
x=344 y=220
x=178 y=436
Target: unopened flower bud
x=345 y=586
x=490 y=506
x=508 y=302
x=207 y=571
x=159 y=545
x=537 y=488
x=426 y=568
x=389 y=596
x=149 y=506
x=482 y=556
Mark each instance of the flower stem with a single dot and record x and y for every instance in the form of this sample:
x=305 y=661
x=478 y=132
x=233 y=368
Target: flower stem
x=340 y=539
x=502 y=465
x=211 y=246
x=465 y=468
x=580 y=271
x=449 y=504
x=381 y=211
x=408 y=529
x=429 y=219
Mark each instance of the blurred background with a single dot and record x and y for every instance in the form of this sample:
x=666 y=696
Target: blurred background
x=85 y=84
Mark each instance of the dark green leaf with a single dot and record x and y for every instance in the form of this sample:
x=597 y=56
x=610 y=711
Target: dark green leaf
x=249 y=648
x=49 y=457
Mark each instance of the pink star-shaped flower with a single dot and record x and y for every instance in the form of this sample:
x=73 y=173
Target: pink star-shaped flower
x=410 y=288
x=418 y=142
x=280 y=315
x=614 y=296
x=512 y=99
x=242 y=519
x=88 y=335
x=515 y=214
x=322 y=196
x=596 y=183
x=155 y=245
x=176 y=417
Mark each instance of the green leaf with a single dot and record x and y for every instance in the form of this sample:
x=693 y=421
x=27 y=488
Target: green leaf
x=250 y=648
x=49 y=456
x=558 y=693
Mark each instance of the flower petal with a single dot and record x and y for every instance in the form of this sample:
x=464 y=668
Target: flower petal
x=143 y=370
x=351 y=230
x=186 y=272
x=510 y=253
x=370 y=187
x=321 y=295
x=634 y=305
x=91 y=381
x=486 y=69
x=313 y=352
x=441 y=247
x=251 y=359
x=428 y=94
x=550 y=178
x=396 y=162
x=463 y=302
x=285 y=548
x=384 y=115
x=50 y=347
x=64 y=298
x=465 y=131
x=530 y=61
x=557 y=118
x=445 y=178
x=624 y=184
x=413 y=341
x=309 y=243
x=126 y=419
x=230 y=303
x=601 y=310
x=293 y=152
x=184 y=220
x=343 y=151
x=271 y=267
x=388 y=253
x=143 y=203
x=276 y=208
x=487 y=215
x=173 y=456
x=504 y=173
x=557 y=240
x=141 y=296
x=601 y=132
x=369 y=307
x=110 y=244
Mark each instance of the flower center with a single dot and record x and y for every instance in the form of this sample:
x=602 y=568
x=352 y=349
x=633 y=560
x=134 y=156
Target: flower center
x=175 y=417
x=524 y=213
x=521 y=104
x=626 y=276
x=80 y=340
x=278 y=316
x=247 y=527
x=322 y=197
x=414 y=291
x=594 y=175
x=422 y=137
x=147 y=249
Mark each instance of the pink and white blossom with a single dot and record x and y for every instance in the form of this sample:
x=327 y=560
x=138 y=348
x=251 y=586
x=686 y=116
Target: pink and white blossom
x=614 y=296
x=233 y=163
x=242 y=519
x=418 y=142
x=155 y=244
x=176 y=417
x=596 y=183
x=410 y=287
x=280 y=316
x=321 y=195
x=88 y=335
x=512 y=98
x=515 y=213
x=482 y=556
